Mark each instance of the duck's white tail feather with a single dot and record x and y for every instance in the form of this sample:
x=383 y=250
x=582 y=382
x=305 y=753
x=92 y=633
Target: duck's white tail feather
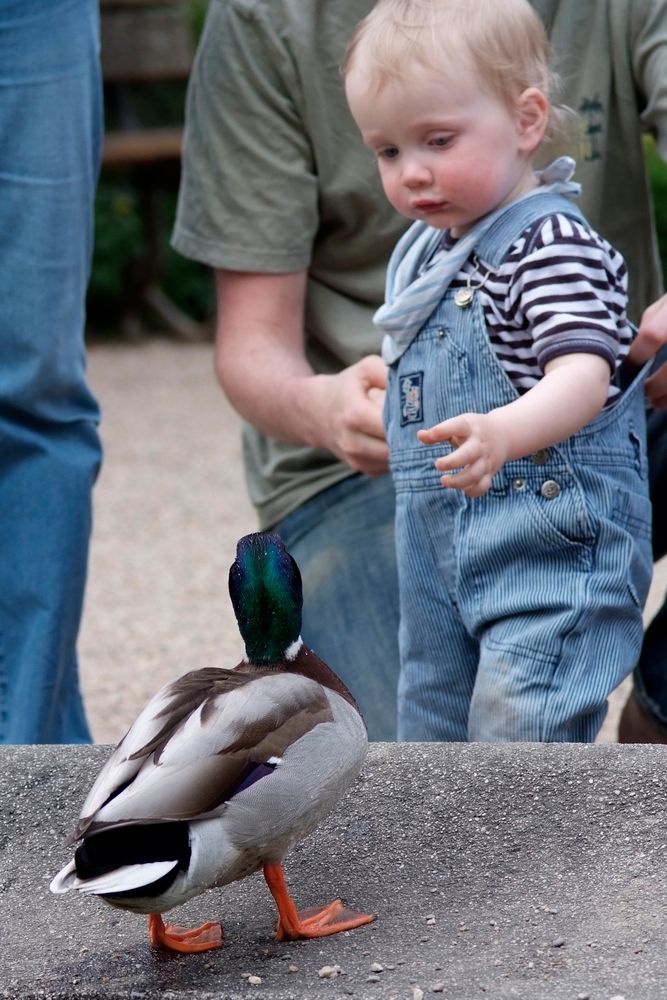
x=65 y=879
x=119 y=880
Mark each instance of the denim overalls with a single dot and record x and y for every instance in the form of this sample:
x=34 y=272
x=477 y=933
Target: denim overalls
x=520 y=610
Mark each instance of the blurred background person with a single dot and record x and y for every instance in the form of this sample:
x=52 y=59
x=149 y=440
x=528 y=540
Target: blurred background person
x=50 y=136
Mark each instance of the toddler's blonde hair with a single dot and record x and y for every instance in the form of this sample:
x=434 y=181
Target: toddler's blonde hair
x=503 y=41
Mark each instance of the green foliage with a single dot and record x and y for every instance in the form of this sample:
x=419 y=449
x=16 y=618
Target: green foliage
x=118 y=231
x=197 y=14
x=123 y=257
x=121 y=254
x=657 y=172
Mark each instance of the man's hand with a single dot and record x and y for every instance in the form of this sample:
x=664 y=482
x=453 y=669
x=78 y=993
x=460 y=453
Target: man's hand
x=348 y=412
x=652 y=335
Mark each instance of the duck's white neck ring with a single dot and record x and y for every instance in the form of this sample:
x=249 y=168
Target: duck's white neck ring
x=291 y=651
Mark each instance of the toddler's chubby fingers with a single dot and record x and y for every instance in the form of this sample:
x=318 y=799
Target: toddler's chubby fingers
x=457 y=429
x=432 y=435
x=463 y=456
x=474 y=480
x=480 y=488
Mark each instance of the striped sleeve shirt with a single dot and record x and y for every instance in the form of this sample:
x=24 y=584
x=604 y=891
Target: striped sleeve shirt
x=561 y=289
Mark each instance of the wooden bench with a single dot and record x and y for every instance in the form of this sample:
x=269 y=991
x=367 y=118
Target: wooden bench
x=144 y=43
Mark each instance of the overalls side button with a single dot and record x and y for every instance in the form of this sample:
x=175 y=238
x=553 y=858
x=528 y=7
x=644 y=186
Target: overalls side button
x=540 y=457
x=550 y=489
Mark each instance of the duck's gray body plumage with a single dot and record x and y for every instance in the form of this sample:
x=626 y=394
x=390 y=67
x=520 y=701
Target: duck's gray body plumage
x=221 y=773
x=189 y=750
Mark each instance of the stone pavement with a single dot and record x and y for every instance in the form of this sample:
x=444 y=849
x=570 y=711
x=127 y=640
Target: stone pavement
x=514 y=872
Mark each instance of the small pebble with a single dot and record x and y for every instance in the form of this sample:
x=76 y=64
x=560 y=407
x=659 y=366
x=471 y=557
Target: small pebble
x=329 y=971
x=559 y=942
x=583 y=996
x=377 y=967
x=417 y=993
x=292 y=968
x=255 y=980
x=438 y=987
x=372 y=979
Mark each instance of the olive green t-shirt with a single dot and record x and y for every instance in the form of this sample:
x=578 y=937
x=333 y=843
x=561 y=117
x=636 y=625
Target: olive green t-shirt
x=276 y=179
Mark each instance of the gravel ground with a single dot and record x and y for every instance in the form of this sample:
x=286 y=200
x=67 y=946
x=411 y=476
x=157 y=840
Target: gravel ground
x=169 y=506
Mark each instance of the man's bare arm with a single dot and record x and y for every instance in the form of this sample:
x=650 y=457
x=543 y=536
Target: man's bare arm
x=261 y=365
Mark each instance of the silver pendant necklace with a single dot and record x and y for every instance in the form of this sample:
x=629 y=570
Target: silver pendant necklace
x=464 y=296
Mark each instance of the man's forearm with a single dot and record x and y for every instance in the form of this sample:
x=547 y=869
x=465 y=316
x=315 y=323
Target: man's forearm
x=262 y=367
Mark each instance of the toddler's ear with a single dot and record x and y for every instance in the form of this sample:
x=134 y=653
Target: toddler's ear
x=533 y=117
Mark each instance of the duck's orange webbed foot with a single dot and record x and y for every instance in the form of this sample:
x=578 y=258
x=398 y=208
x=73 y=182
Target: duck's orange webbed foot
x=314 y=921
x=175 y=938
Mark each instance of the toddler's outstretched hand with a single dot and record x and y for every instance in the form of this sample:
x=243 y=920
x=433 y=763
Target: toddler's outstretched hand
x=480 y=448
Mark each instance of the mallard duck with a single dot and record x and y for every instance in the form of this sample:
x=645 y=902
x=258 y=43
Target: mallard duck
x=225 y=770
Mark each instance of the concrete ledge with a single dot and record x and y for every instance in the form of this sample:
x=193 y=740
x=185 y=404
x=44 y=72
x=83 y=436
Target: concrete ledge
x=506 y=871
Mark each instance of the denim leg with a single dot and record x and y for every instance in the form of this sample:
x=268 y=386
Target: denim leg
x=650 y=677
x=438 y=654
x=343 y=542
x=50 y=134
x=547 y=670
x=525 y=693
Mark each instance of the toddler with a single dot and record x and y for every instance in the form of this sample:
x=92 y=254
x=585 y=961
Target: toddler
x=522 y=582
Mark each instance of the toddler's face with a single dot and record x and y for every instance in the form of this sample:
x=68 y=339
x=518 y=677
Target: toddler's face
x=448 y=150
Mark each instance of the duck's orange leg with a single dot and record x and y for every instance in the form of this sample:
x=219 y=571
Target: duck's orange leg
x=313 y=922
x=202 y=938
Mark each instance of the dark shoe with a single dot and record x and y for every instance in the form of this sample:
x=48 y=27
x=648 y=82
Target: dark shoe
x=636 y=725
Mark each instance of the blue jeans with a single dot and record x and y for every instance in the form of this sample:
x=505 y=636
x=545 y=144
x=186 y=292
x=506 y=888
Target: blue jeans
x=343 y=542
x=50 y=136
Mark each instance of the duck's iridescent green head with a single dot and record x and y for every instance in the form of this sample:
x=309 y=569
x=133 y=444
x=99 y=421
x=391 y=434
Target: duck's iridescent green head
x=265 y=588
